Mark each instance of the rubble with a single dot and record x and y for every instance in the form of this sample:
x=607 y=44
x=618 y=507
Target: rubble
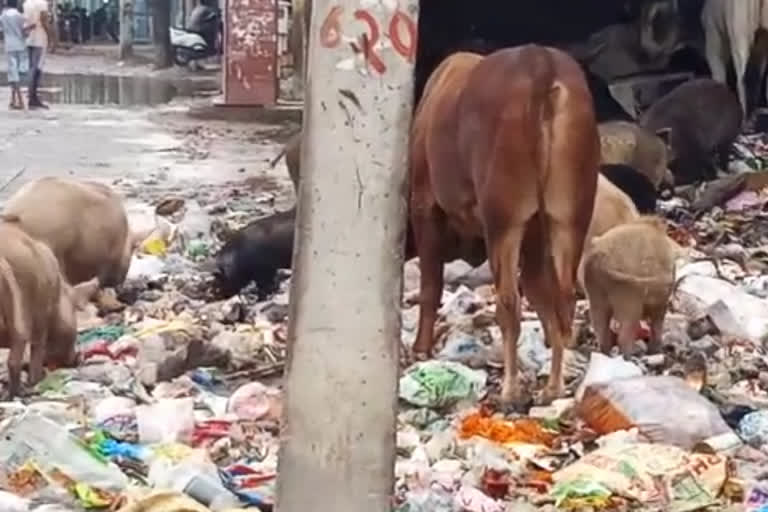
x=177 y=400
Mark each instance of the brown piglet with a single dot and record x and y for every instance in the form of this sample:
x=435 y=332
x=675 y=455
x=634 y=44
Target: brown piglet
x=622 y=142
x=37 y=307
x=629 y=275
x=83 y=222
x=612 y=208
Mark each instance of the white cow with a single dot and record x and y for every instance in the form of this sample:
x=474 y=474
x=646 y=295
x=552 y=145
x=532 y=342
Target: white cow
x=729 y=30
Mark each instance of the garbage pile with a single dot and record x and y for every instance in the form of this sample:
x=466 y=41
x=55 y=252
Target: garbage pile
x=176 y=403
x=683 y=430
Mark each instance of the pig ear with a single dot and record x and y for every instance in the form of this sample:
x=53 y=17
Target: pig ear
x=84 y=292
x=663 y=134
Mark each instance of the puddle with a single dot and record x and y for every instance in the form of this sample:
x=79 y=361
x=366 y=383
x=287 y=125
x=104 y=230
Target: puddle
x=121 y=90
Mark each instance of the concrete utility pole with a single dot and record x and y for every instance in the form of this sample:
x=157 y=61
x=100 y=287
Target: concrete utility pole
x=301 y=11
x=126 y=29
x=338 y=439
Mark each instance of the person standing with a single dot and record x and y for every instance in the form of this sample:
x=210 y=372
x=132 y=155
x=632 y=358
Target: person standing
x=38 y=23
x=12 y=23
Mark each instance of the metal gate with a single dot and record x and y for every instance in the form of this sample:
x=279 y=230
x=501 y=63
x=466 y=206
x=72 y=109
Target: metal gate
x=250 y=52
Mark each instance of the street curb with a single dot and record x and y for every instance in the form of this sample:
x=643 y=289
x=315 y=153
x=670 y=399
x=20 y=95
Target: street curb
x=280 y=113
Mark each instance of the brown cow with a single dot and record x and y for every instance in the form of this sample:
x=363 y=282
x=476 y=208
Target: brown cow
x=504 y=155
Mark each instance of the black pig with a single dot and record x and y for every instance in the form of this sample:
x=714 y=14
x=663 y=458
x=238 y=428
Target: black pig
x=636 y=185
x=255 y=254
x=704 y=118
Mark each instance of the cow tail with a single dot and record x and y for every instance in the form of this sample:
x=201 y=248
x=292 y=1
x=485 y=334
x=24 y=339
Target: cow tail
x=545 y=100
x=554 y=94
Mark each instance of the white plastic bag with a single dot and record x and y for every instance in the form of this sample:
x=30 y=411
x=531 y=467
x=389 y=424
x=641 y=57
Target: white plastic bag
x=167 y=421
x=12 y=503
x=696 y=294
x=603 y=369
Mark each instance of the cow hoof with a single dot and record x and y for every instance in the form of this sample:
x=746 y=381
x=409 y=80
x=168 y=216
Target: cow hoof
x=548 y=395
x=417 y=356
x=513 y=406
x=513 y=402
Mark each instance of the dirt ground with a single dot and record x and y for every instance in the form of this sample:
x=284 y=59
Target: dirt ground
x=147 y=152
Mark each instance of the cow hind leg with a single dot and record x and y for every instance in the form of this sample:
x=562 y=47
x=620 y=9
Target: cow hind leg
x=504 y=256
x=429 y=232
x=551 y=255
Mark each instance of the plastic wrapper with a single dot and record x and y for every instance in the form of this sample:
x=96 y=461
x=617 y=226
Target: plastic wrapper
x=522 y=430
x=660 y=477
x=664 y=409
x=441 y=384
x=756 y=498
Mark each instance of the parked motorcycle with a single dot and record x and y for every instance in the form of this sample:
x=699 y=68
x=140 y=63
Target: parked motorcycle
x=201 y=39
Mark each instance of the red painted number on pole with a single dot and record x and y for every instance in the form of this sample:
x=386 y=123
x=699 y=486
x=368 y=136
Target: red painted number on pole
x=368 y=41
x=330 y=30
x=408 y=51
x=400 y=25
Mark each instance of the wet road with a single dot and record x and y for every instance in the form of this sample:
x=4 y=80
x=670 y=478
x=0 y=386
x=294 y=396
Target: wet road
x=151 y=149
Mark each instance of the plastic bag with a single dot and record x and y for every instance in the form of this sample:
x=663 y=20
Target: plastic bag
x=12 y=503
x=753 y=428
x=604 y=369
x=465 y=348
x=658 y=476
x=34 y=437
x=441 y=384
x=254 y=401
x=166 y=421
x=664 y=409
x=470 y=499
x=695 y=294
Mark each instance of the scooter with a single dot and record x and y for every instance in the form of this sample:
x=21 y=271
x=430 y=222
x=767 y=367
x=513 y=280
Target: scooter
x=198 y=41
x=188 y=46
